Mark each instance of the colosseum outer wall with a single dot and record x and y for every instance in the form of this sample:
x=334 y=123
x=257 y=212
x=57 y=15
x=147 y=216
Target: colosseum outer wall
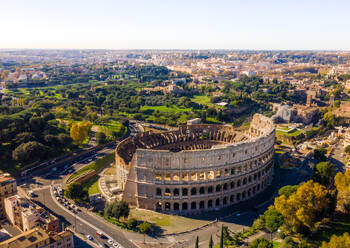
x=203 y=179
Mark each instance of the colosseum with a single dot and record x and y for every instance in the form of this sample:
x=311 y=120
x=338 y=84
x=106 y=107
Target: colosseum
x=197 y=167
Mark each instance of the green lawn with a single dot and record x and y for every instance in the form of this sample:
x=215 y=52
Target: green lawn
x=112 y=127
x=172 y=109
x=295 y=133
x=97 y=166
x=205 y=100
x=91 y=185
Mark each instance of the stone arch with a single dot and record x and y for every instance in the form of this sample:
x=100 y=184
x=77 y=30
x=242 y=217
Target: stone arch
x=167 y=206
x=232 y=184
x=217 y=202
x=184 y=206
x=194 y=191
x=176 y=192
x=158 y=206
x=244 y=181
x=225 y=186
x=176 y=206
x=184 y=192
x=193 y=205
x=158 y=191
x=210 y=189
x=232 y=198
x=210 y=203
x=224 y=201
x=201 y=191
x=167 y=192
x=201 y=205
x=238 y=196
x=218 y=188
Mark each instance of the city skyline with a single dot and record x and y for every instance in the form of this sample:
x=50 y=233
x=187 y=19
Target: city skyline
x=233 y=25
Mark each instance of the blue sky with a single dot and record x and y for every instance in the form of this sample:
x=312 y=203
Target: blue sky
x=176 y=24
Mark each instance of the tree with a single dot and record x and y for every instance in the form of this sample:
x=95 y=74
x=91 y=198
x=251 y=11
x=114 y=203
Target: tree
x=260 y=243
x=80 y=131
x=101 y=138
x=342 y=183
x=222 y=237
x=75 y=191
x=273 y=219
x=144 y=227
x=132 y=223
x=211 y=243
x=27 y=151
x=347 y=149
x=324 y=173
x=337 y=241
x=305 y=208
x=197 y=243
x=117 y=209
x=320 y=154
x=288 y=190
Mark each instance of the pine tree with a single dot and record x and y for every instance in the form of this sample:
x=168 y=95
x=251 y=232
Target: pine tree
x=211 y=243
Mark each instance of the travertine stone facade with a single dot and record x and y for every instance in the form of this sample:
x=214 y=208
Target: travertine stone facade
x=196 y=168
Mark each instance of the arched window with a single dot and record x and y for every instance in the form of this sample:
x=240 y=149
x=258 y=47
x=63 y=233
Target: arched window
x=250 y=179
x=244 y=181
x=167 y=192
x=167 y=206
x=193 y=191
x=210 y=189
x=232 y=198
x=217 y=202
x=238 y=196
x=225 y=186
x=193 y=205
x=201 y=191
x=218 y=188
x=184 y=192
x=238 y=183
x=224 y=201
x=201 y=205
x=176 y=192
x=210 y=204
x=232 y=184
x=184 y=206
x=158 y=206
x=176 y=206
x=243 y=195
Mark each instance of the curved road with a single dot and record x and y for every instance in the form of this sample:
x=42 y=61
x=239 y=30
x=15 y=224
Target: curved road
x=81 y=222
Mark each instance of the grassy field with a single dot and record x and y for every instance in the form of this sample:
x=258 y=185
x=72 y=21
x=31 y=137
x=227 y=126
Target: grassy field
x=91 y=185
x=172 y=109
x=112 y=127
x=205 y=100
x=295 y=133
x=97 y=166
x=168 y=223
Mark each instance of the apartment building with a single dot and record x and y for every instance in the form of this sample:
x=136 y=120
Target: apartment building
x=39 y=238
x=8 y=188
x=26 y=215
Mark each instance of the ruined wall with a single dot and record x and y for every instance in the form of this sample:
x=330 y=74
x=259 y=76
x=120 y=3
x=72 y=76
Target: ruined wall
x=203 y=179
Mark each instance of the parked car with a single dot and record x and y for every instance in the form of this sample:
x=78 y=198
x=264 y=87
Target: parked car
x=89 y=237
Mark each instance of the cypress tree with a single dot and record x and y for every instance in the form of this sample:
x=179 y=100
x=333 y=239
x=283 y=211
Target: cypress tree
x=222 y=237
x=211 y=243
x=197 y=242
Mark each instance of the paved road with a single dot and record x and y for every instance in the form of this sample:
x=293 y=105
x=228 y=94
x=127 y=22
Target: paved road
x=81 y=222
